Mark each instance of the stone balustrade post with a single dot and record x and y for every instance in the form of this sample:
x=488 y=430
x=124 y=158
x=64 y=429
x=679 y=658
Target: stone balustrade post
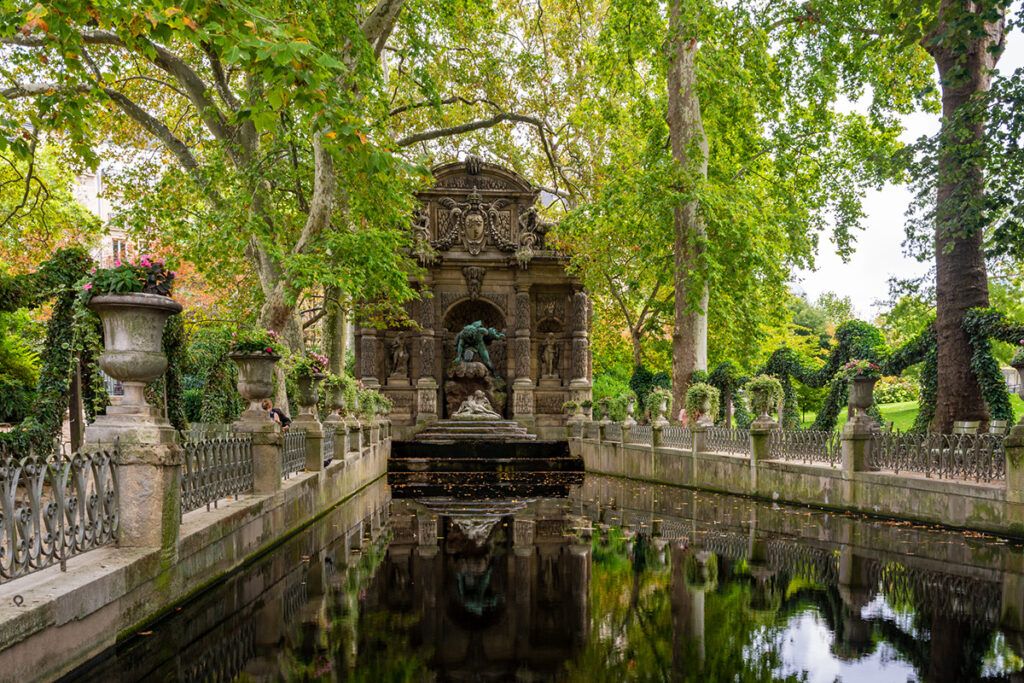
x=657 y=438
x=624 y=433
x=149 y=461
x=855 y=447
x=308 y=422
x=267 y=443
x=345 y=432
x=1014 y=445
x=760 y=435
x=700 y=438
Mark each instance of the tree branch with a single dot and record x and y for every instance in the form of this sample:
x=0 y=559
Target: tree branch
x=380 y=22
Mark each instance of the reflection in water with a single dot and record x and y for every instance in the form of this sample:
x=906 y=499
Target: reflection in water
x=613 y=582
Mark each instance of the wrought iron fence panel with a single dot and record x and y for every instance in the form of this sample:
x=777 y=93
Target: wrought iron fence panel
x=677 y=436
x=820 y=565
x=805 y=445
x=930 y=591
x=728 y=440
x=293 y=455
x=327 y=446
x=54 y=507
x=613 y=432
x=981 y=457
x=214 y=469
x=641 y=434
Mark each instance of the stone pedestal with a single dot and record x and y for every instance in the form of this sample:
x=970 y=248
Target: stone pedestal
x=760 y=434
x=308 y=423
x=265 y=435
x=700 y=437
x=1014 y=444
x=148 y=478
x=426 y=400
x=522 y=399
x=856 y=446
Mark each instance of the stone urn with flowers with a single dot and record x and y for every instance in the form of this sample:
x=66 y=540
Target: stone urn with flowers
x=308 y=371
x=133 y=303
x=255 y=352
x=702 y=403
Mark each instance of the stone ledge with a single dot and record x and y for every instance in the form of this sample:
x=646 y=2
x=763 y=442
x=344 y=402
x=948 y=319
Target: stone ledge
x=994 y=491
x=68 y=617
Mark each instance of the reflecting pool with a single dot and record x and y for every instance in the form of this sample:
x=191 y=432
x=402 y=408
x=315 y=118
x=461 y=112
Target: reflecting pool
x=596 y=579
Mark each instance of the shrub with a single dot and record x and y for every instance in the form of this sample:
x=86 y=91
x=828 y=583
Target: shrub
x=862 y=369
x=895 y=390
x=643 y=382
x=654 y=399
x=257 y=341
x=147 y=276
x=699 y=395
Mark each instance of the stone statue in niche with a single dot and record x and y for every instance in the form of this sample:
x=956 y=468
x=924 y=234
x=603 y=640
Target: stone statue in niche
x=476 y=407
x=399 y=357
x=549 y=357
x=474 y=338
x=474 y=280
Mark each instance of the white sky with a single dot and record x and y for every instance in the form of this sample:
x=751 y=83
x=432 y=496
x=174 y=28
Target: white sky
x=879 y=255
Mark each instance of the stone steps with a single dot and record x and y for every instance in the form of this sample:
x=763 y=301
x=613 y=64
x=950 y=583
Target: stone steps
x=479 y=486
x=461 y=464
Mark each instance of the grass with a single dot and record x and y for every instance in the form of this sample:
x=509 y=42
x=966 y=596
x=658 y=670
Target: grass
x=902 y=415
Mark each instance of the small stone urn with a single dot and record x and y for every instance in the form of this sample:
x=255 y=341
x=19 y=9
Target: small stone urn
x=255 y=377
x=630 y=420
x=659 y=419
x=862 y=394
x=133 y=329
x=307 y=392
x=336 y=402
x=1018 y=365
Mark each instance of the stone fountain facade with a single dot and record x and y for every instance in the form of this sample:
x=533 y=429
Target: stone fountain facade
x=484 y=247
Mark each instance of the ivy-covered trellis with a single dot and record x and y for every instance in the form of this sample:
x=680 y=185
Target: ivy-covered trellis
x=73 y=337
x=857 y=340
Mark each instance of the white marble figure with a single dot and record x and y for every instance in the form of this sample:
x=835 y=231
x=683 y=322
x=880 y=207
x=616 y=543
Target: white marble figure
x=476 y=407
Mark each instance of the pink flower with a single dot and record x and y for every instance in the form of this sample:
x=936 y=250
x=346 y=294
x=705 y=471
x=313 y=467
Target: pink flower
x=117 y=263
x=269 y=350
x=145 y=262
x=87 y=286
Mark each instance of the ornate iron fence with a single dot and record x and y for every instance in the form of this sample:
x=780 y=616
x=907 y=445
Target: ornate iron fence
x=677 y=437
x=805 y=445
x=728 y=440
x=981 y=457
x=641 y=434
x=327 y=446
x=54 y=507
x=293 y=455
x=931 y=591
x=215 y=468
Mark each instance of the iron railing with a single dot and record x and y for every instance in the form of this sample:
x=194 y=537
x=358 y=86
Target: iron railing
x=54 y=507
x=327 y=447
x=981 y=457
x=728 y=440
x=805 y=445
x=677 y=437
x=293 y=455
x=641 y=434
x=213 y=469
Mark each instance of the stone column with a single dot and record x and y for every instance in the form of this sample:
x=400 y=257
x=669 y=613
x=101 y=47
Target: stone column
x=426 y=385
x=265 y=435
x=1014 y=444
x=760 y=436
x=149 y=462
x=580 y=382
x=368 y=346
x=700 y=437
x=522 y=385
x=308 y=422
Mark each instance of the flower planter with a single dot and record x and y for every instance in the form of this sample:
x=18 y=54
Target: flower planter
x=133 y=329
x=255 y=376
x=307 y=395
x=862 y=390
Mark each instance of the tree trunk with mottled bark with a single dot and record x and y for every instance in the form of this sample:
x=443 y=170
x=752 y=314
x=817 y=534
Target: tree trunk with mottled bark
x=961 y=280
x=690 y=150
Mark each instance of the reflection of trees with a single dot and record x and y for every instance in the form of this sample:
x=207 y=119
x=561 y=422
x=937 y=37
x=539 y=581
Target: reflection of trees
x=631 y=607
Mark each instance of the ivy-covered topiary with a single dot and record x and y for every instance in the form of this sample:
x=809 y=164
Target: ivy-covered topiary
x=644 y=381
x=70 y=333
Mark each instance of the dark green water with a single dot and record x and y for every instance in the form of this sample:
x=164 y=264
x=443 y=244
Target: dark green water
x=612 y=581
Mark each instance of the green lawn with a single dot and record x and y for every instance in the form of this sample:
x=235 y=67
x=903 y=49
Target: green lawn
x=902 y=415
